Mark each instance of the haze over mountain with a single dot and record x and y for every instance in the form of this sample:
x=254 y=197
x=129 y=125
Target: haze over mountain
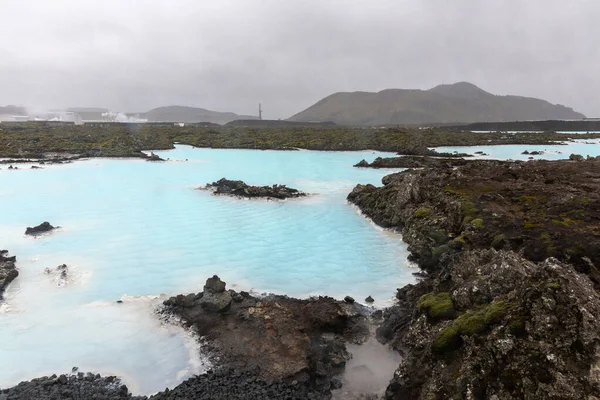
x=191 y=114
x=461 y=102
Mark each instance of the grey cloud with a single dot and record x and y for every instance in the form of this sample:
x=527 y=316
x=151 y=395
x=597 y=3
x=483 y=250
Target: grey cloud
x=228 y=55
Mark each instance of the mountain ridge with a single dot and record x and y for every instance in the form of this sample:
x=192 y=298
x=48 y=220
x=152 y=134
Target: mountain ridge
x=174 y=113
x=461 y=102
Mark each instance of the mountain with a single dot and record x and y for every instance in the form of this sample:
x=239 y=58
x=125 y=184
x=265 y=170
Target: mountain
x=461 y=102
x=191 y=114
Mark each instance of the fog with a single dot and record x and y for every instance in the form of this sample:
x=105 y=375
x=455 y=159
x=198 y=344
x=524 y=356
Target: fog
x=229 y=55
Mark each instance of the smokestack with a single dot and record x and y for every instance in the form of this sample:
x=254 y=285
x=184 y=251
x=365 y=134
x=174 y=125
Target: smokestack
x=259 y=111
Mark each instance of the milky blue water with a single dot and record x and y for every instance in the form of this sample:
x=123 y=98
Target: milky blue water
x=134 y=230
x=514 y=152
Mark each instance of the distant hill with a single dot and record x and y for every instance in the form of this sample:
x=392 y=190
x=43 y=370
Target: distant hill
x=461 y=102
x=191 y=114
x=12 y=110
x=276 y=123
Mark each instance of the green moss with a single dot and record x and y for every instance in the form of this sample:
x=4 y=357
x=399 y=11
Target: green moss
x=528 y=225
x=553 y=285
x=532 y=199
x=439 y=251
x=581 y=200
x=454 y=190
x=460 y=239
x=498 y=241
x=478 y=223
x=496 y=312
x=422 y=212
x=437 y=306
x=470 y=323
x=545 y=236
x=565 y=221
x=438 y=237
x=468 y=208
x=446 y=340
x=467 y=219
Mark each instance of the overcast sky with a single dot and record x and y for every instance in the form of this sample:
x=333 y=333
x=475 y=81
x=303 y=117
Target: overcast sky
x=228 y=55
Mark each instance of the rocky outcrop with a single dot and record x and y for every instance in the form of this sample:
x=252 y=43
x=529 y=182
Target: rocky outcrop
x=500 y=326
x=279 y=338
x=241 y=189
x=412 y=162
x=41 y=228
x=76 y=386
x=214 y=297
x=8 y=270
x=542 y=208
x=154 y=157
x=507 y=306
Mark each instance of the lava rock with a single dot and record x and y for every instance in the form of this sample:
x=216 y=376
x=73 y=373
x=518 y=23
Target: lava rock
x=41 y=228
x=241 y=189
x=215 y=298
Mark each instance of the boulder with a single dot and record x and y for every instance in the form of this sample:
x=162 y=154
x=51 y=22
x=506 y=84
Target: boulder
x=215 y=298
x=576 y=157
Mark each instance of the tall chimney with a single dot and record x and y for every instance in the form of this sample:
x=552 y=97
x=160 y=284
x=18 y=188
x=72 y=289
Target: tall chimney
x=259 y=111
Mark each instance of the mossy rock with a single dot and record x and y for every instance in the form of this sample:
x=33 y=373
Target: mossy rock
x=447 y=340
x=496 y=312
x=498 y=242
x=468 y=208
x=471 y=323
x=438 y=237
x=438 y=252
x=528 y=225
x=422 y=212
x=458 y=242
x=437 y=306
x=517 y=325
x=478 y=223
x=545 y=236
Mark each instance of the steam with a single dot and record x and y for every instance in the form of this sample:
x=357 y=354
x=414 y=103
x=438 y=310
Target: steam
x=120 y=117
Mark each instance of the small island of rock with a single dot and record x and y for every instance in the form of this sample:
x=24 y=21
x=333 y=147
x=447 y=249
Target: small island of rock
x=41 y=228
x=241 y=189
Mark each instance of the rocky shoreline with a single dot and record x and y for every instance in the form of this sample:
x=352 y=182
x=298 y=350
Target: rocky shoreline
x=8 y=270
x=35 y=140
x=241 y=189
x=412 y=162
x=278 y=338
x=509 y=303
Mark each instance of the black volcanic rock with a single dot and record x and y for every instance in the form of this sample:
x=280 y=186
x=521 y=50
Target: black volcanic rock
x=278 y=338
x=8 y=270
x=241 y=189
x=41 y=228
x=77 y=386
